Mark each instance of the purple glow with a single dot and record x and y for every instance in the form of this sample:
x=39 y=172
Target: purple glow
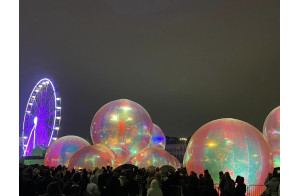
x=40 y=116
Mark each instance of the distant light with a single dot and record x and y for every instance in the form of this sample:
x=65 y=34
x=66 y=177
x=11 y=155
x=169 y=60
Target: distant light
x=58 y=98
x=255 y=155
x=126 y=108
x=30 y=103
x=114 y=117
x=40 y=85
x=54 y=138
x=56 y=128
x=25 y=137
x=58 y=117
x=37 y=90
x=183 y=139
x=211 y=144
x=28 y=111
x=35 y=120
x=33 y=97
x=58 y=107
x=47 y=82
x=44 y=83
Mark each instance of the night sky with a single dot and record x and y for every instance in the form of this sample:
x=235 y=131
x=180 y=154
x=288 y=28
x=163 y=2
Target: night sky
x=185 y=62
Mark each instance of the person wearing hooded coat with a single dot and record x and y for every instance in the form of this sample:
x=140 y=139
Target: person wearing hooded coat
x=92 y=187
x=154 y=189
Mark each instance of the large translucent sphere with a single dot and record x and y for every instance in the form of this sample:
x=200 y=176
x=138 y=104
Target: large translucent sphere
x=158 y=138
x=91 y=157
x=230 y=145
x=271 y=130
x=60 y=151
x=156 y=157
x=123 y=126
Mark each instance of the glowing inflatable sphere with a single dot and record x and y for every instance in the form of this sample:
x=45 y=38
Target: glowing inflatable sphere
x=271 y=131
x=60 y=151
x=123 y=126
x=230 y=145
x=156 y=157
x=158 y=138
x=91 y=157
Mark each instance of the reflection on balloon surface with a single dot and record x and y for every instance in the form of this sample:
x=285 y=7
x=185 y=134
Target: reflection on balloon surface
x=271 y=131
x=177 y=164
x=152 y=156
x=230 y=145
x=60 y=151
x=123 y=126
x=91 y=157
x=158 y=138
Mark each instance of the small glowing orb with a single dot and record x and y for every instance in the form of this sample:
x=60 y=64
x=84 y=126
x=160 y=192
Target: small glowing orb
x=156 y=157
x=61 y=150
x=271 y=131
x=230 y=145
x=158 y=138
x=91 y=157
x=123 y=126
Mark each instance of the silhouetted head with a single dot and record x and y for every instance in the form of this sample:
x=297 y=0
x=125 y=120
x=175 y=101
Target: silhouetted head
x=53 y=189
x=227 y=175
x=76 y=178
x=221 y=173
x=206 y=173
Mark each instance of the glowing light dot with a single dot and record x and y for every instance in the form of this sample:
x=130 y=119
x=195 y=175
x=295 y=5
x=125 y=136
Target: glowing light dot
x=126 y=108
x=212 y=144
x=114 y=117
x=58 y=117
x=35 y=120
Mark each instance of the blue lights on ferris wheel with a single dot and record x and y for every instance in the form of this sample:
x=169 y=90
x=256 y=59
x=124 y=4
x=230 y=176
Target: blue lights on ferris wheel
x=42 y=117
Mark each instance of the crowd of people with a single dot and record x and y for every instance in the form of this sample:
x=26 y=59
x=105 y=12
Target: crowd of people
x=106 y=181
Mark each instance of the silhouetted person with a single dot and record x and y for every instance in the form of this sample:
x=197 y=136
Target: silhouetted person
x=222 y=181
x=240 y=189
x=229 y=185
x=102 y=180
x=53 y=189
x=46 y=179
x=76 y=188
x=273 y=184
x=208 y=184
x=113 y=185
x=92 y=187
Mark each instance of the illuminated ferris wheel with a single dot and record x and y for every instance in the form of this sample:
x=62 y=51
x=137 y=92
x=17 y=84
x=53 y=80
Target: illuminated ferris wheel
x=42 y=117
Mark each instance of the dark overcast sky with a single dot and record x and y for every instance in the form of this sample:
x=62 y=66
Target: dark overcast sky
x=185 y=62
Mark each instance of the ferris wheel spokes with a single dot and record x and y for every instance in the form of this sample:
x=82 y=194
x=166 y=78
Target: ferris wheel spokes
x=32 y=130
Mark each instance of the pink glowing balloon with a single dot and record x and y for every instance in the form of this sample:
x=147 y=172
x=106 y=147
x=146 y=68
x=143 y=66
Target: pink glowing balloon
x=271 y=131
x=230 y=145
x=158 y=138
x=152 y=156
x=123 y=126
x=91 y=157
x=60 y=151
